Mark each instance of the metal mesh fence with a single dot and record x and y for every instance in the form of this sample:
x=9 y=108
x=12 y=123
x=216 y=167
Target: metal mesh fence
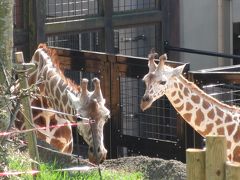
x=226 y=93
x=159 y=122
x=76 y=41
x=128 y=5
x=70 y=8
x=137 y=41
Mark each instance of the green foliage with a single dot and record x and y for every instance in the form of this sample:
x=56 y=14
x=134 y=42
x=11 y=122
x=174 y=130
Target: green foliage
x=20 y=162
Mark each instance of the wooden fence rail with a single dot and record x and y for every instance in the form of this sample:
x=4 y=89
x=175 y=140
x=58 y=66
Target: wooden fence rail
x=211 y=163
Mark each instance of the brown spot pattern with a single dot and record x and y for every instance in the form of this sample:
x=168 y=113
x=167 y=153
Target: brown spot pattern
x=63 y=132
x=176 y=85
x=195 y=99
x=53 y=121
x=180 y=95
x=220 y=131
x=173 y=93
x=230 y=129
x=180 y=86
x=236 y=136
x=186 y=92
x=208 y=129
x=188 y=106
x=211 y=114
x=218 y=122
x=205 y=104
x=228 y=118
x=219 y=112
x=236 y=154
x=180 y=108
x=40 y=121
x=199 y=117
x=187 y=117
x=57 y=144
x=176 y=101
x=41 y=136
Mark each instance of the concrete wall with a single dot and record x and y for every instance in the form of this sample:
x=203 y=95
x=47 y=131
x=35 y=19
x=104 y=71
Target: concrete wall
x=199 y=30
x=236 y=10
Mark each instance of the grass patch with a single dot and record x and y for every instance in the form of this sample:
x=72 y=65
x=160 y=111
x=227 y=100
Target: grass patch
x=19 y=161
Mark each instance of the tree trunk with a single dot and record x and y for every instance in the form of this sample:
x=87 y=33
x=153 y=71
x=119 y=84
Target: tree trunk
x=6 y=50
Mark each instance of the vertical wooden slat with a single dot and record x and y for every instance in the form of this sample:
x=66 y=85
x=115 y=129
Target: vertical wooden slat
x=232 y=170
x=25 y=101
x=195 y=159
x=216 y=156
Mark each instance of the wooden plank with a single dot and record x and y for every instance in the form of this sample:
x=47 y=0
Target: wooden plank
x=195 y=159
x=232 y=170
x=216 y=156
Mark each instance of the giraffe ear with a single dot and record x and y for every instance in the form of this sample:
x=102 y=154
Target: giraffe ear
x=151 y=64
x=178 y=70
x=161 y=63
x=97 y=93
x=84 y=86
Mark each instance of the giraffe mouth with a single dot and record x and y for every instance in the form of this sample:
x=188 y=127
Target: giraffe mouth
x=145 y=104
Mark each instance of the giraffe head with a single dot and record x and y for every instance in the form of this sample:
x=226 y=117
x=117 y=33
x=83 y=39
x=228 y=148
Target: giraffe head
x=92 y=105
x=158 y=80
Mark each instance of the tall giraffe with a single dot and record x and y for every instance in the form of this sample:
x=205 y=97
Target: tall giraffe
x=205 y=114
x=55 y=92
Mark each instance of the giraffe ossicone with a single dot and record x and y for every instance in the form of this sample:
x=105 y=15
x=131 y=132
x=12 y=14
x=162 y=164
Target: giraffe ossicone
x=207 y=115
x=58 y=93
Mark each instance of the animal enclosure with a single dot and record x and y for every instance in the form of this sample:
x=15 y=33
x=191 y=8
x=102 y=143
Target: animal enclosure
x=121 y=27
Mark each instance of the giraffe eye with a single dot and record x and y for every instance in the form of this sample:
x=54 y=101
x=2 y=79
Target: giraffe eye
x=163 y=82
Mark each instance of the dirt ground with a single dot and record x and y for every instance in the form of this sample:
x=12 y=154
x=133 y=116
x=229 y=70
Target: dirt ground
x=152 y=168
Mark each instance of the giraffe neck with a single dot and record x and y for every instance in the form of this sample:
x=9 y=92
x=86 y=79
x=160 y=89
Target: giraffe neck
x=53 y=85
x=204 y=113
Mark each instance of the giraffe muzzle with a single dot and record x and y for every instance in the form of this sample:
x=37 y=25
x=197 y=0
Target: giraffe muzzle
x=146 y=102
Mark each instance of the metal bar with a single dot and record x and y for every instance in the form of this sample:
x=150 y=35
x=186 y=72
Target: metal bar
x=167 y=48
x=92 y=23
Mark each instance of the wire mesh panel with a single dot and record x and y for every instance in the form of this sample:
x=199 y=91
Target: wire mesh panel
x=71 y=8
x=77 y=41
x=226 y=93
x=137 y=41
x=127 y=5
x=159 y=122
x=77 y=76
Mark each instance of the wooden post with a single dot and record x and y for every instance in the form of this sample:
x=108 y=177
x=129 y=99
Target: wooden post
x=195 y=159
x=216 y=156
x=25 y=101
x=232 y=170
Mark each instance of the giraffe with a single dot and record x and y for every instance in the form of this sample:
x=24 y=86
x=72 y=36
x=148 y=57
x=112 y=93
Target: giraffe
x=55 y=92
x=205 y=114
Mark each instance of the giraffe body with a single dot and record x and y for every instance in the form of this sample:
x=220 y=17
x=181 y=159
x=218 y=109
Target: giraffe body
x=205 y=114
x=55 y=92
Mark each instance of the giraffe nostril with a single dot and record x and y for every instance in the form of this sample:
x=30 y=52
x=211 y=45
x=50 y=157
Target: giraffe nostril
x=98 y=150
x=91 y=149
x=145 y=98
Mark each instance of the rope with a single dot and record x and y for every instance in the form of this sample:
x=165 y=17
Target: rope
x=62 y=113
